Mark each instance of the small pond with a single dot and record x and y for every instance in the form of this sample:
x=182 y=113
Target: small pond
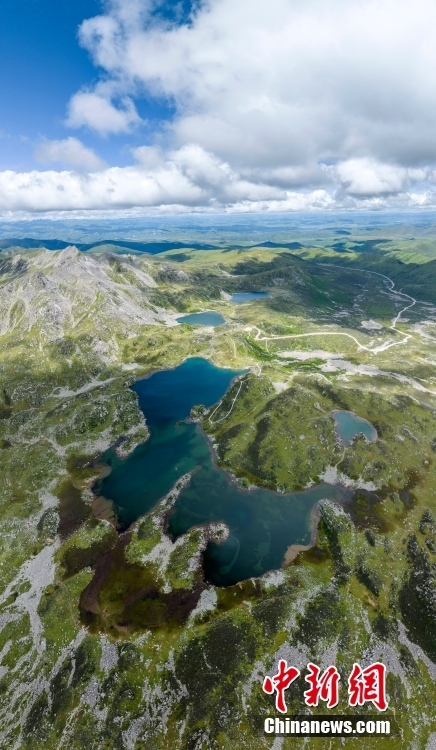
x=348 y=425
x=207 y=318
x=248 y=296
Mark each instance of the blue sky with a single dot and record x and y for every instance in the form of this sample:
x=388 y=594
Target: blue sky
x=216 y=105
x=41 y=66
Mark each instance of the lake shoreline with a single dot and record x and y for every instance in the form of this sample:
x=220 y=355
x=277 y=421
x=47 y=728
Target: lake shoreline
x=340 y=427
x=294 y=549
x=214 y=494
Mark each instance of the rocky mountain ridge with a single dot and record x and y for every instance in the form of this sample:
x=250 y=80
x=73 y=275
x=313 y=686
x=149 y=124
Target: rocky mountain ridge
x=55 y=292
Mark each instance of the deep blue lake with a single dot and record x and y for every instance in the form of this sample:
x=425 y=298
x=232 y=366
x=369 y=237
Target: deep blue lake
x=263 y=524
x=248 y=296
x=348 y=425
x=208 y=318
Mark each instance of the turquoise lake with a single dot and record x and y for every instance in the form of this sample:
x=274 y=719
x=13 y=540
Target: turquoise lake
x=348 y=425
x=248 y=296
x=207 y=318
x=262 y=523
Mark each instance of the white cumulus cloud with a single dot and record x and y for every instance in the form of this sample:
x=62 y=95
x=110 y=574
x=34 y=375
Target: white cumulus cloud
x=96 y=111
x=365 y=177
x=284 y=84
x=70 y=152
x=187 y=177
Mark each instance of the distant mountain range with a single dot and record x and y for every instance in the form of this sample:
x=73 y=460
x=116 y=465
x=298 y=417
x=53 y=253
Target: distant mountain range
x=153 y=248
x=142 y=247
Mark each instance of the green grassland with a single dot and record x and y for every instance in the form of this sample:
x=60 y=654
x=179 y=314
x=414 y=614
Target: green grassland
x=114 y=641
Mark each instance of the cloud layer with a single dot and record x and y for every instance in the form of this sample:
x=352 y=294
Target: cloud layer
x=279 y=105
x=191 y=178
